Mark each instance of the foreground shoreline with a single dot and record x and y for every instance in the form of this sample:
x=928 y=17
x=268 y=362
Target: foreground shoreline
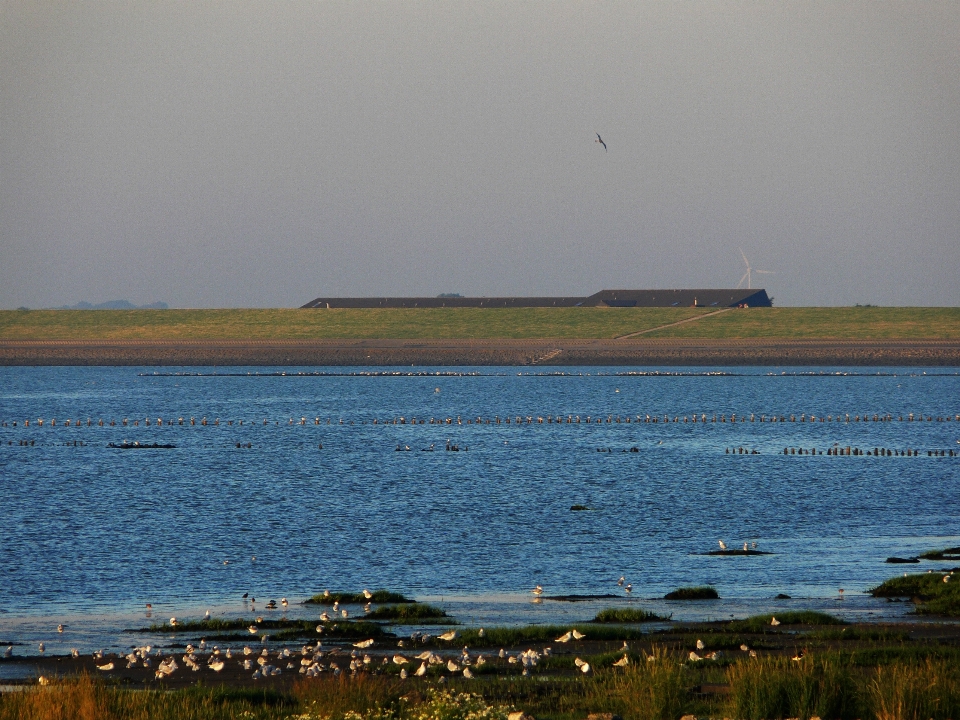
x=602 y=645
x=711 y=670
x=498 y=352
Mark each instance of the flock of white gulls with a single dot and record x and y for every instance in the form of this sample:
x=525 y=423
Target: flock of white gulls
x=313 y=660
x=511 y=419
x=746 y=546
x=700 y=419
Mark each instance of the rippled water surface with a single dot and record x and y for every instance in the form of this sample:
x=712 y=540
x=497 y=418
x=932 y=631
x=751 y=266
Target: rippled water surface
x=94 y=533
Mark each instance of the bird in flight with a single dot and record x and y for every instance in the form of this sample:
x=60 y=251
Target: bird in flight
x=600 y=140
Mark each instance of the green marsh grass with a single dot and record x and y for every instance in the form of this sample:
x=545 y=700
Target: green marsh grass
x=545 y=634
x=718 y=639
x=339 y=629
x=410 y=613
x=778 y=687
x=931 y=594
x=701 y=592
x=761 y=623
x=627 y=615
x=543 y=698
x=653 y=690
x=277 y=629
x=916 y=691
x=377 y=596
x=85 y=698
x=334 y=697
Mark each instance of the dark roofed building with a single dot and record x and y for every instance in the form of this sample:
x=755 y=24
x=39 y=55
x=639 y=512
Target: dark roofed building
x=604 y=298
x=445 y=301
x=680 y=298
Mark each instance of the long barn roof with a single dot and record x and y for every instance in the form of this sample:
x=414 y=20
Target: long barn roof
x=604 y=298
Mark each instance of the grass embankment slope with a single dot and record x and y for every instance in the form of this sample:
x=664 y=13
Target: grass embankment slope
x=841 y=323
x=279 y=324
x=834 y=323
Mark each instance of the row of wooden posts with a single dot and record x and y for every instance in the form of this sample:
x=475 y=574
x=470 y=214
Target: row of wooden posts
x=876 y=452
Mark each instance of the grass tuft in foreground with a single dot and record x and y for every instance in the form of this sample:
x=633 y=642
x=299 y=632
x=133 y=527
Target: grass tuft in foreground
x=214 y=625
x=85 y=698
x=338 y=697
x=927 y=690
x=780 y=687
x=702 y=592
x=656 y=689
x=831 y=685
x=627 y=615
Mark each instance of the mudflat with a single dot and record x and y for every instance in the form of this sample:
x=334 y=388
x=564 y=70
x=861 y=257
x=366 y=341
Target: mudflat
x=480 y=352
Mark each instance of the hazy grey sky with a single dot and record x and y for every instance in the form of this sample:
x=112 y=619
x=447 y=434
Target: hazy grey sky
x=214 y=154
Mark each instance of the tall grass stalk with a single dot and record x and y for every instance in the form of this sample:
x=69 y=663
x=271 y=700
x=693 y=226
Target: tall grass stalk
x=410 y=613
x=653 y=690
x=336 y=696
x=85 y=698
x=778 y=687
x=930 y=690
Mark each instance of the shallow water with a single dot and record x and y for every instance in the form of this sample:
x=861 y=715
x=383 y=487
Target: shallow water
x=95 y=533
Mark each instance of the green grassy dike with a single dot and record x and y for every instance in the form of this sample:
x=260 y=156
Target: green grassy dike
x=347 y=324
x=851 y=323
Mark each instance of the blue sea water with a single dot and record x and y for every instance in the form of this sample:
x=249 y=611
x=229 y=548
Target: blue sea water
x=92 y=533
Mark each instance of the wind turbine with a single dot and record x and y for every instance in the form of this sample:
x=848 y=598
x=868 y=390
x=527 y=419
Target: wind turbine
x=747 y=276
